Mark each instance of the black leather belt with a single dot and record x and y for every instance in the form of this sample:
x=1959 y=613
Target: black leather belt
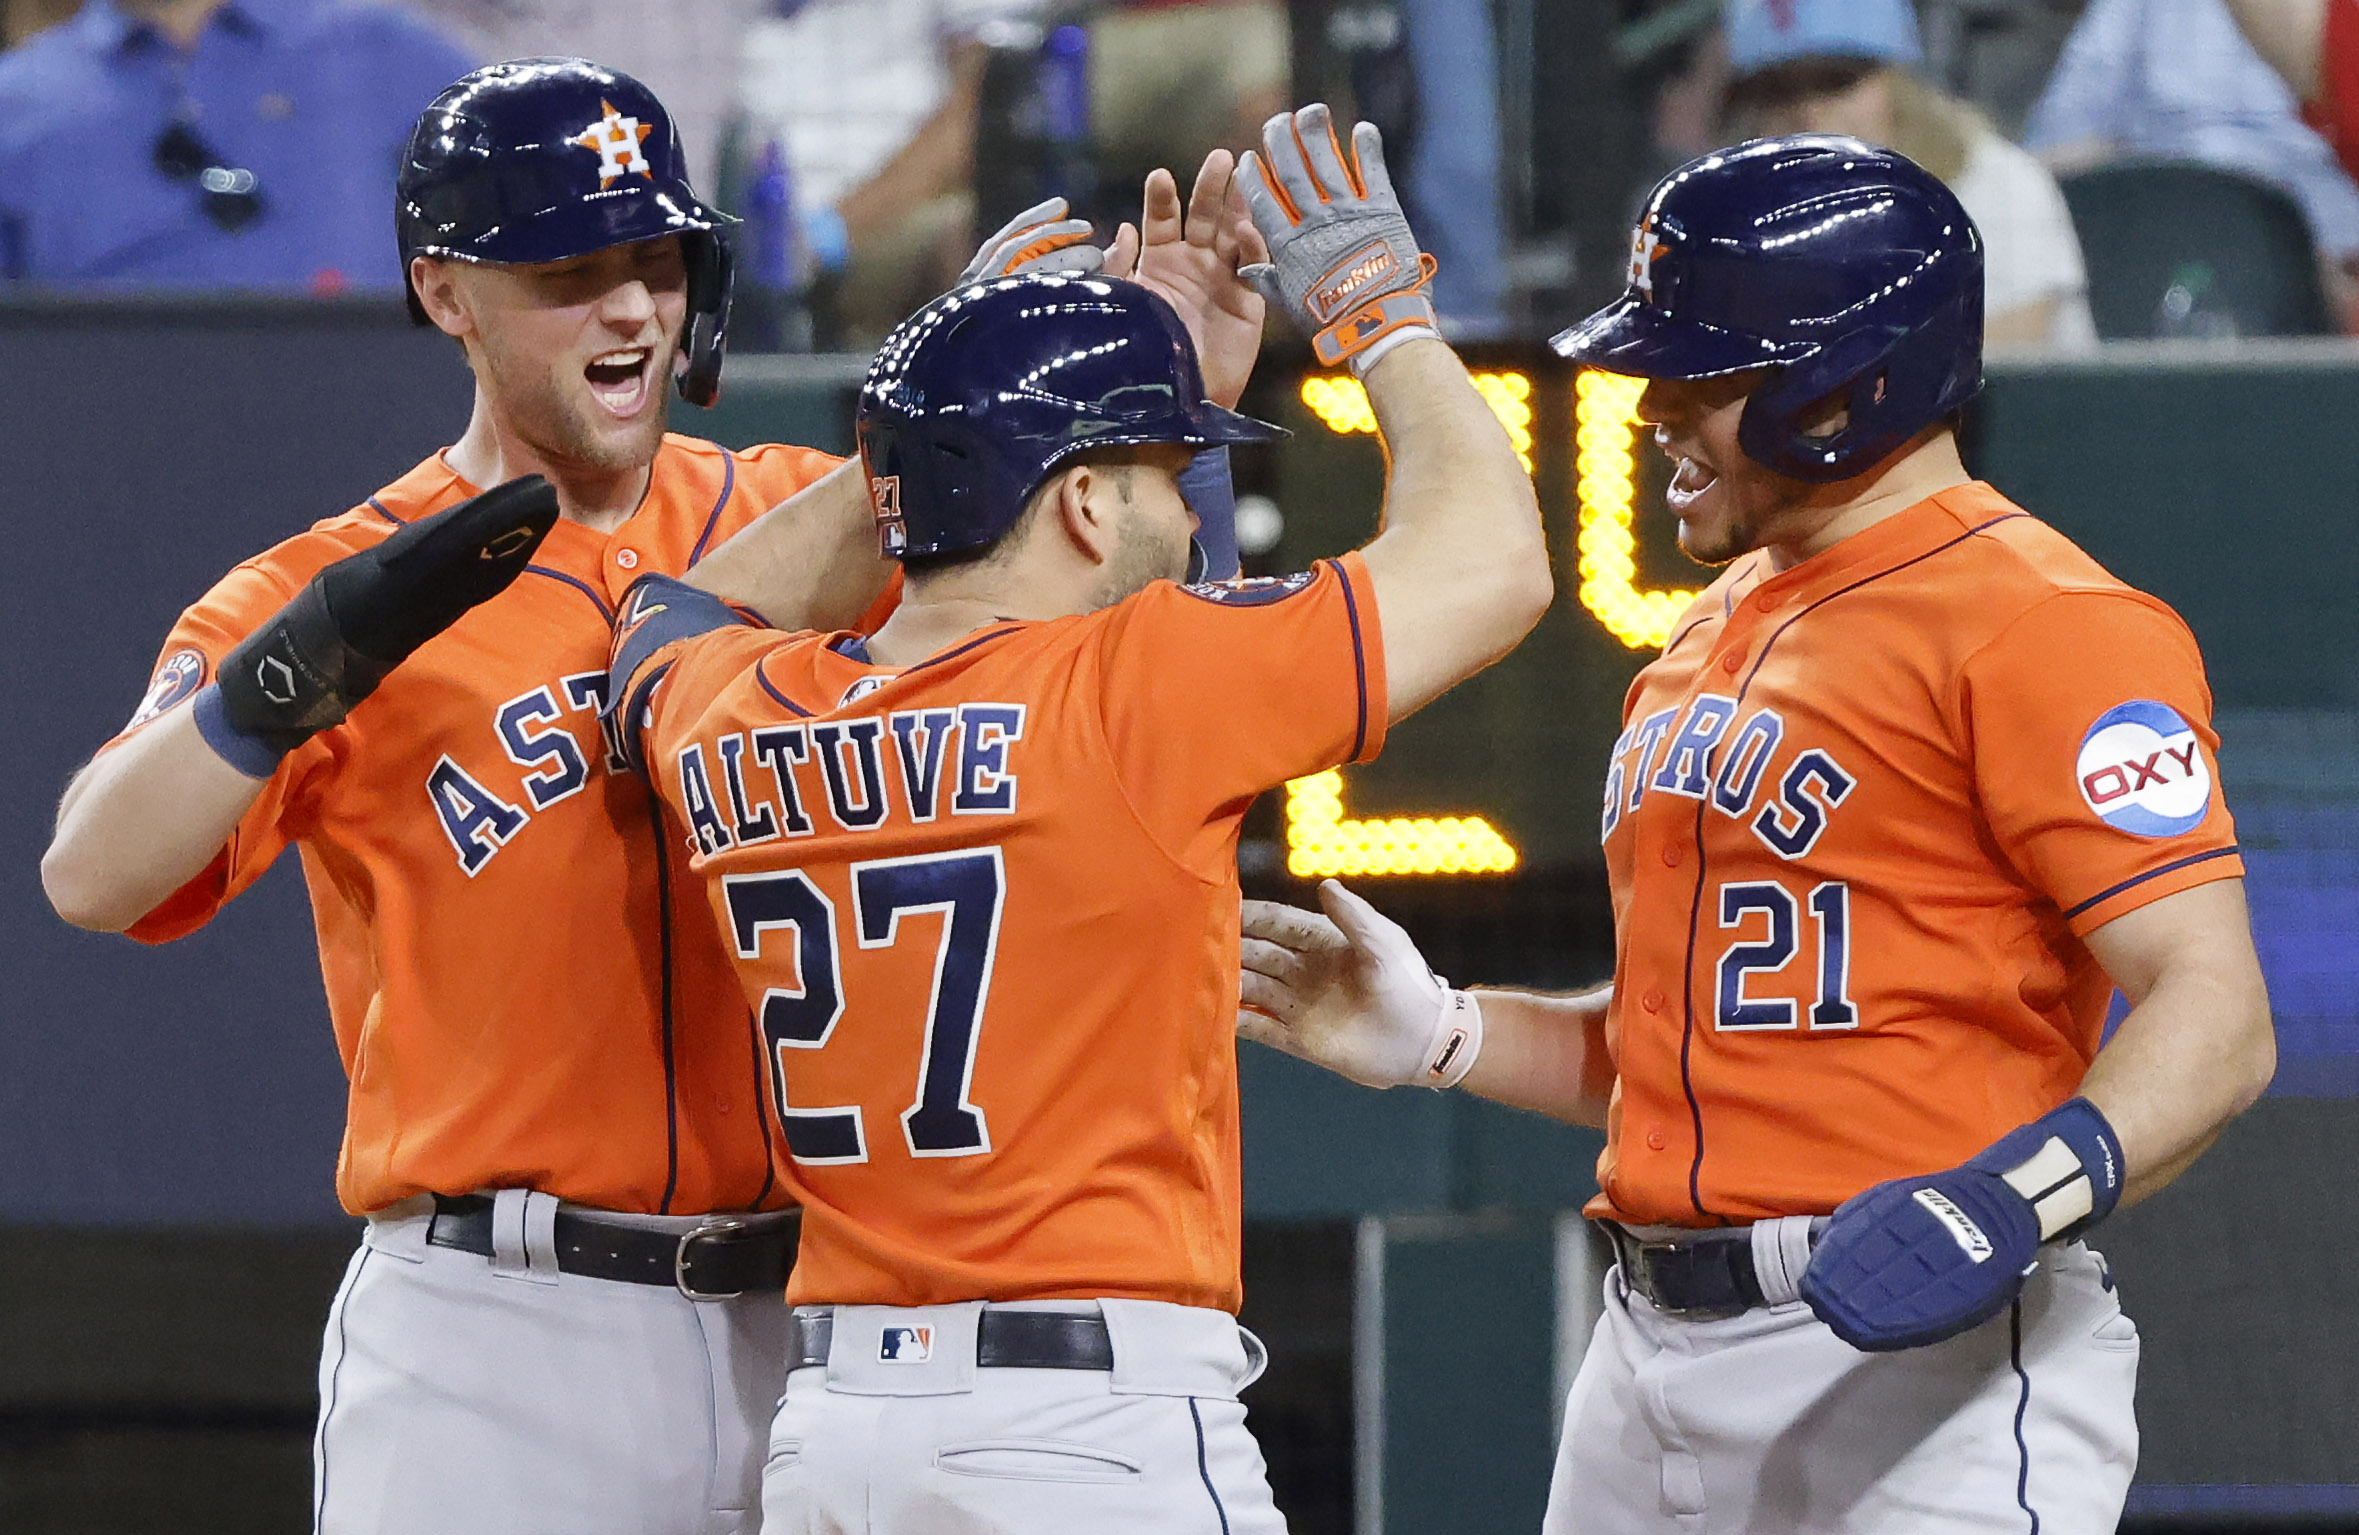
x=1703 y=1272
x=720 y=1257
x=1006 y=1340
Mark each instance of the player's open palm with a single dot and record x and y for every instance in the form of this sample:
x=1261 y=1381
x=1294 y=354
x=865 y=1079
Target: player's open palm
x=1191 y=258
x=1347 y=991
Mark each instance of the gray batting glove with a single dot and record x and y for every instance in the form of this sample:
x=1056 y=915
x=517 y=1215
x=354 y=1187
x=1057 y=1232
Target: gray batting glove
x=1343 y=264
x=1039 y=239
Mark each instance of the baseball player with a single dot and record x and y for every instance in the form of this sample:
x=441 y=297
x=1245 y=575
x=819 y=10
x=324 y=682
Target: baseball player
x=978 y=871
x=1912 y=788
x=555 y=1125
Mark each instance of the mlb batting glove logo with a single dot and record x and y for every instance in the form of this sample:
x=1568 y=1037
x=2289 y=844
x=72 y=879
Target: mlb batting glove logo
x=905 y=1345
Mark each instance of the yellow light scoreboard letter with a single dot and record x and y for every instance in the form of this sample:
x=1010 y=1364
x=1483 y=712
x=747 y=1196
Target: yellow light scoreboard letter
x=1605 y=433
x=1320 y=839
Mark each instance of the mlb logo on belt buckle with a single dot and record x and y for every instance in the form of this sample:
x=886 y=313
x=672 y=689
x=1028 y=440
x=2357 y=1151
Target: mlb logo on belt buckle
x=905 y=1345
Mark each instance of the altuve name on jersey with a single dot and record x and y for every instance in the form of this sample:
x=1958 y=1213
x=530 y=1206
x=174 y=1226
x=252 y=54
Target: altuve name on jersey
x=1790 y=818
x=758 y=785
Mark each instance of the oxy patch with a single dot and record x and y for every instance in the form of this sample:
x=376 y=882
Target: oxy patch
x=2141 y=769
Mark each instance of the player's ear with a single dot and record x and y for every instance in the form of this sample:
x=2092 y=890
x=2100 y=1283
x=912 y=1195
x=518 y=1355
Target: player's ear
x=1086 y=506
x=439 y=294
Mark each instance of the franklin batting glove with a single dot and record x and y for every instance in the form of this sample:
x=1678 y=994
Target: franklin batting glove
x=1343 y=264
x=1042 y=238
x=308 y=664
x=1917 y=1260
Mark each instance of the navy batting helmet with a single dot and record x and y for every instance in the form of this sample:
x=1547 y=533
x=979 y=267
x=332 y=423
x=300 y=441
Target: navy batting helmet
x=545 y=159
x=1849 y=269
x=975 y=400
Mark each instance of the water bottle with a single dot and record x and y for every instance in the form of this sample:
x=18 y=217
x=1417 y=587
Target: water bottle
x=2182 y=311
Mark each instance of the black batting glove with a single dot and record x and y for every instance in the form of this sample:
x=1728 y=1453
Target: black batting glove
x=306 y=667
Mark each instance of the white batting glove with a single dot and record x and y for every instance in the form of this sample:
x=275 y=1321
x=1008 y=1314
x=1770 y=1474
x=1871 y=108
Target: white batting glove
x=1042 y=238
x=1349 y=991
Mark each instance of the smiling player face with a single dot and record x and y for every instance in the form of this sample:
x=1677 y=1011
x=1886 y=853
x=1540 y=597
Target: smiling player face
x=576 y=356
x=1727 y=504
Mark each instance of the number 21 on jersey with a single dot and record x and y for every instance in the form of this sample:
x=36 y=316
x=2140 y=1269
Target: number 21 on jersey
x=1765 y=918
x=968 y=890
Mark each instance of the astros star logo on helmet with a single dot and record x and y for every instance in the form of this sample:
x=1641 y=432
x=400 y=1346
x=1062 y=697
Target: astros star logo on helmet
x=616 y=138
x=1644 y=249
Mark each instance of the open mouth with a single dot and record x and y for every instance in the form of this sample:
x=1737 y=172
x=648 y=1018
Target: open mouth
x=619 y=379
x=1689 y=483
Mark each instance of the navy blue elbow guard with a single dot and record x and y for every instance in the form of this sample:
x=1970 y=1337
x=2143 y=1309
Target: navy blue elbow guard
x=1212 y=496
x=1915 y=1260
x=656 y=611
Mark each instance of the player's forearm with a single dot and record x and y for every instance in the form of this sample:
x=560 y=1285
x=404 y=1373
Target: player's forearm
x=2196 y=1049
x=811 y=562
x=1546 y=1054
x=1461 y=568
x=2190 y=1058
x=140 y=822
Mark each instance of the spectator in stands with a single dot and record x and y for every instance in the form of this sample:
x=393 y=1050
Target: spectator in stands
x=1848 y=66
x=2314 y=47
x=2175 y=79
x=211 y=143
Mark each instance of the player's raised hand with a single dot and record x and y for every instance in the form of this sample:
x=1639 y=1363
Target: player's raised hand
x=328 y=648
x=1349 y=991
x=1343 y=265
x=1192 y=257
x=1043 y=238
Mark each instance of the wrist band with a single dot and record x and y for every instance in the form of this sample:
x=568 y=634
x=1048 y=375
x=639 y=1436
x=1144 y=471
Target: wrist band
x=2072 y=1176
x=252 y=757
x=1459 y=1036
x=1375 y=328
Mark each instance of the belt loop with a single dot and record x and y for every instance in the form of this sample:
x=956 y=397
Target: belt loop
x=1781 y=1251
x=524 y=1235
x=1257 y=1356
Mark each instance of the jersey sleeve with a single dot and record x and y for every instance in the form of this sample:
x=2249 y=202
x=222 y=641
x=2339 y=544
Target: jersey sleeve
x=1212 y=694
x=2089 y=726
x=191 y=657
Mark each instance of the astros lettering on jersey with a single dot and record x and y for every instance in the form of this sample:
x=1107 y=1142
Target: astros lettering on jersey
x=515 y=994
x=1861 y=817
x=985 y=907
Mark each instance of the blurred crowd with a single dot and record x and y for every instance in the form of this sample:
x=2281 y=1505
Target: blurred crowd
x=2137 y=167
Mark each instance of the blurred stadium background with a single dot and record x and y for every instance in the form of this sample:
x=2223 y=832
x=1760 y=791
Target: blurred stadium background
x=200 y=309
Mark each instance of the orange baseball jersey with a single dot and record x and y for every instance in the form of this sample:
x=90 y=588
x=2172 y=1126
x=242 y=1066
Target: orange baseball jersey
x=1861 y=818
x=985 y=908
x=522 y=988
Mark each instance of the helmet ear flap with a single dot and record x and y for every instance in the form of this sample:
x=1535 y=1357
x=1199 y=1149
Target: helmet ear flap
x=1895 y=381
x=712 y=279
x=1770 y=431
